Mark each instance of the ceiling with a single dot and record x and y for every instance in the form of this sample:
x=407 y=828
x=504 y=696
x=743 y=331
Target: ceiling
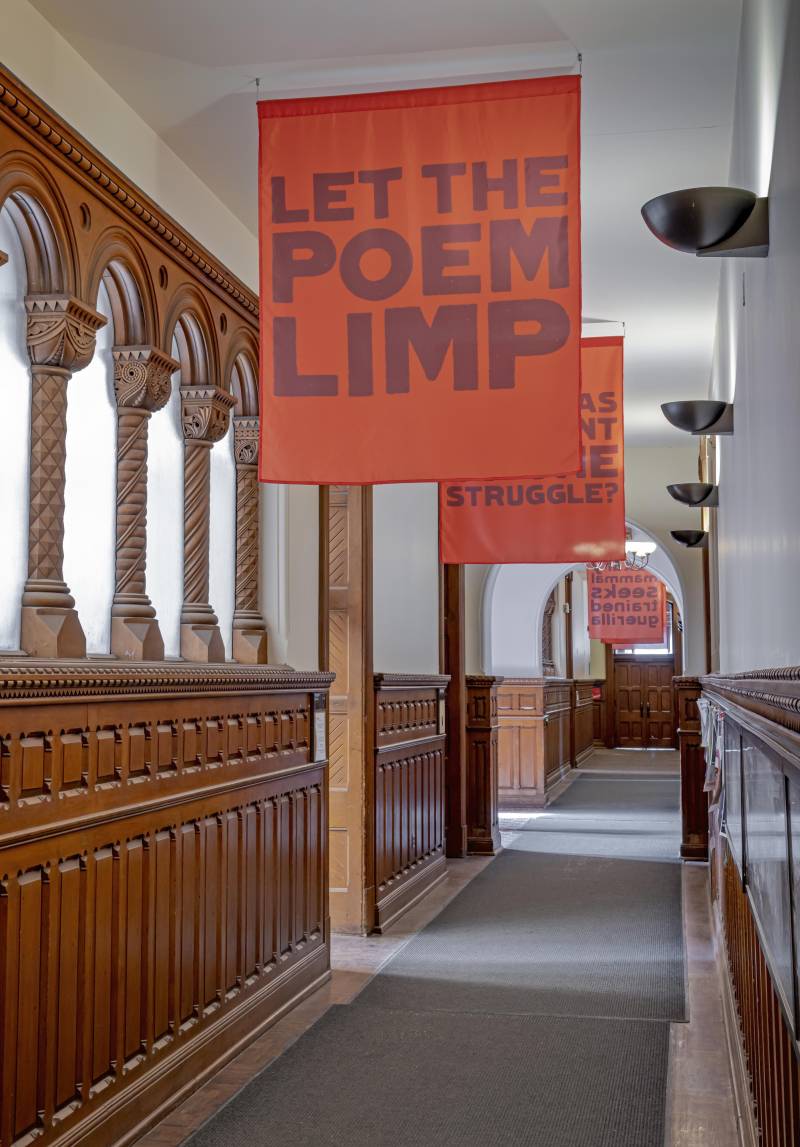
x=658 y=93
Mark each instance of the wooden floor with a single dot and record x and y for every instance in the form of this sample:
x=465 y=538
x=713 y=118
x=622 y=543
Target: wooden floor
x=701 y=1109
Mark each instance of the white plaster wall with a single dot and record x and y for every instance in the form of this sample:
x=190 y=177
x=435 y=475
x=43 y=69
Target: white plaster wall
x=581 y=649
x=290 y=573
x=474 y=582
x=45 y=61
x=757 y=356
x=648 y=471
x=406 y=578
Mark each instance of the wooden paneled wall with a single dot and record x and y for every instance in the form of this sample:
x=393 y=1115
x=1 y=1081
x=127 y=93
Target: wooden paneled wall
x=409 y=791
x=163 y=883
x=755 y=848
x=600 y=731
x=483 y=824
x=536 y=737
x=584 y=720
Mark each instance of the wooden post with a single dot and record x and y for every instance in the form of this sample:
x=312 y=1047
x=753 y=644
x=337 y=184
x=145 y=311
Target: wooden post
x=453 y=661
x=483 y=825
x=694 y=800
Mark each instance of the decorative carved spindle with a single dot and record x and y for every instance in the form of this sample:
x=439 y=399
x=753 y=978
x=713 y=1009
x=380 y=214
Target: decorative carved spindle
x=142 y=381
x=249 y=633
x=61 y=340
x=205 y=412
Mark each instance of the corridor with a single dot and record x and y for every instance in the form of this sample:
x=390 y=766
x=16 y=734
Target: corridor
x=537 y=1007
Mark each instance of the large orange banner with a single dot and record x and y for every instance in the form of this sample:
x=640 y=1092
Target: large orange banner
x=627 y=607
x=561 y=519
x=421 y=284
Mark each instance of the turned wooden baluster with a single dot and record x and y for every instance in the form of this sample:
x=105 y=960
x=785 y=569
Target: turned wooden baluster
x=61 y=340
x=142 y=383
x=249 y=633
x=205 y=412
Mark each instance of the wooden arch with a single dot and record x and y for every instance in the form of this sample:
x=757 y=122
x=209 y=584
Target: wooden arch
x=119 y=264
x=191 y=325
x=241 y=372
x=40 y=217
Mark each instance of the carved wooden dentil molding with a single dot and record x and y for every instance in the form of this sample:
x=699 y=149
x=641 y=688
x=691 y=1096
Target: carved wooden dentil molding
x=35 y=681
x=205 y=412
x=60 y=143
x=245 y=440
x=142 y=377
x=61 y=331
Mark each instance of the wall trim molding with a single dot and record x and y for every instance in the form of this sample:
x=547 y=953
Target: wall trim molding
x=58 y=141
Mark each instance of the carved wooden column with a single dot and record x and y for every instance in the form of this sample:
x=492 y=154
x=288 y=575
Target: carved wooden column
x=61 y=339
x=142 y=381
x=205 y=411
x=249 y=633
x=483 y=821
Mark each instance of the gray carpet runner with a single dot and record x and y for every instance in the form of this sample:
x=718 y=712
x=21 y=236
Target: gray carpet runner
x=496 y=1022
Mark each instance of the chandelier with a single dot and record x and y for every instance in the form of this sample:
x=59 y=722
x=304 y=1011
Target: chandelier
x=637 y=555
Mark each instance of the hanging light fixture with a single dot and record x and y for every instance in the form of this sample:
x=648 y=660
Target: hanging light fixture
x=637 y=556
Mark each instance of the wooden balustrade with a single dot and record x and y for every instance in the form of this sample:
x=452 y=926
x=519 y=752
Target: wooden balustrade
x=755 y=844
x=409 y=798
x=163 y=883
x=483 y=824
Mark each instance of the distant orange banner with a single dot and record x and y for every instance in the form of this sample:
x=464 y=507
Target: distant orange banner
x=564 y=519
x=421 y=284
x=627 y=607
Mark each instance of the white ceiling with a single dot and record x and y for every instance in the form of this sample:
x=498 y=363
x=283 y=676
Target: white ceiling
x=658 y=94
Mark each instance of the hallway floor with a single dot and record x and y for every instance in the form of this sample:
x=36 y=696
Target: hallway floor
x=497 y=1018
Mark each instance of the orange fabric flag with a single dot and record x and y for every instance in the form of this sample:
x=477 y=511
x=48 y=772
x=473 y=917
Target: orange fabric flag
x=421 y=283
x=627 y=607
x=564 y=519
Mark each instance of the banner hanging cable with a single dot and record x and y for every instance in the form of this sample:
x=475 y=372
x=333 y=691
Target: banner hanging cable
x=420 y=283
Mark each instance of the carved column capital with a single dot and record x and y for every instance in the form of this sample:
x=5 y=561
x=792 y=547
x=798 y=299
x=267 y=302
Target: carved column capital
x=61 y=332
x=142 y=377
x=205 y=412
x=245 y=439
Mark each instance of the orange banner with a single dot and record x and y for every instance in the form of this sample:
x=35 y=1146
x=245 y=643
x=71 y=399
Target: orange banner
x=421 y=284
x=627 y=607
x=563 y=519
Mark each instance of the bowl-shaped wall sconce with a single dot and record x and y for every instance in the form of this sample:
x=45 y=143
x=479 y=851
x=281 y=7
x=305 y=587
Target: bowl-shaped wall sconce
x=695 y=493
x=694 y=539
x=711 y=221
x=700 y=416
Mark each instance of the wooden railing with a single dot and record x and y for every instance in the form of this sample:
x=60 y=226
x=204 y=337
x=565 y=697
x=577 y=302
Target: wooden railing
x=409 y=791
x=163 y=882
x=755 y=854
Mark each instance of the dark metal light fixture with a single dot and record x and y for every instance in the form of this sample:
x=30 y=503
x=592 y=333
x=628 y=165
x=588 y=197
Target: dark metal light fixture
x=695 y=493
x=700 y=416
x=726 y=221
x=693 y=539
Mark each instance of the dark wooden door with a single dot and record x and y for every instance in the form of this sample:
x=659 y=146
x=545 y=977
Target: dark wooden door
x=644 y=703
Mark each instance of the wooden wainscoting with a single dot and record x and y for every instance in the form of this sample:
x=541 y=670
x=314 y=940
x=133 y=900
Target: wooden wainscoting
x=600 y=712
x=163 y=883
x=584 y=720
x=410 y=747
x=756 y=848
x=534 y=739
x=483 y=824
